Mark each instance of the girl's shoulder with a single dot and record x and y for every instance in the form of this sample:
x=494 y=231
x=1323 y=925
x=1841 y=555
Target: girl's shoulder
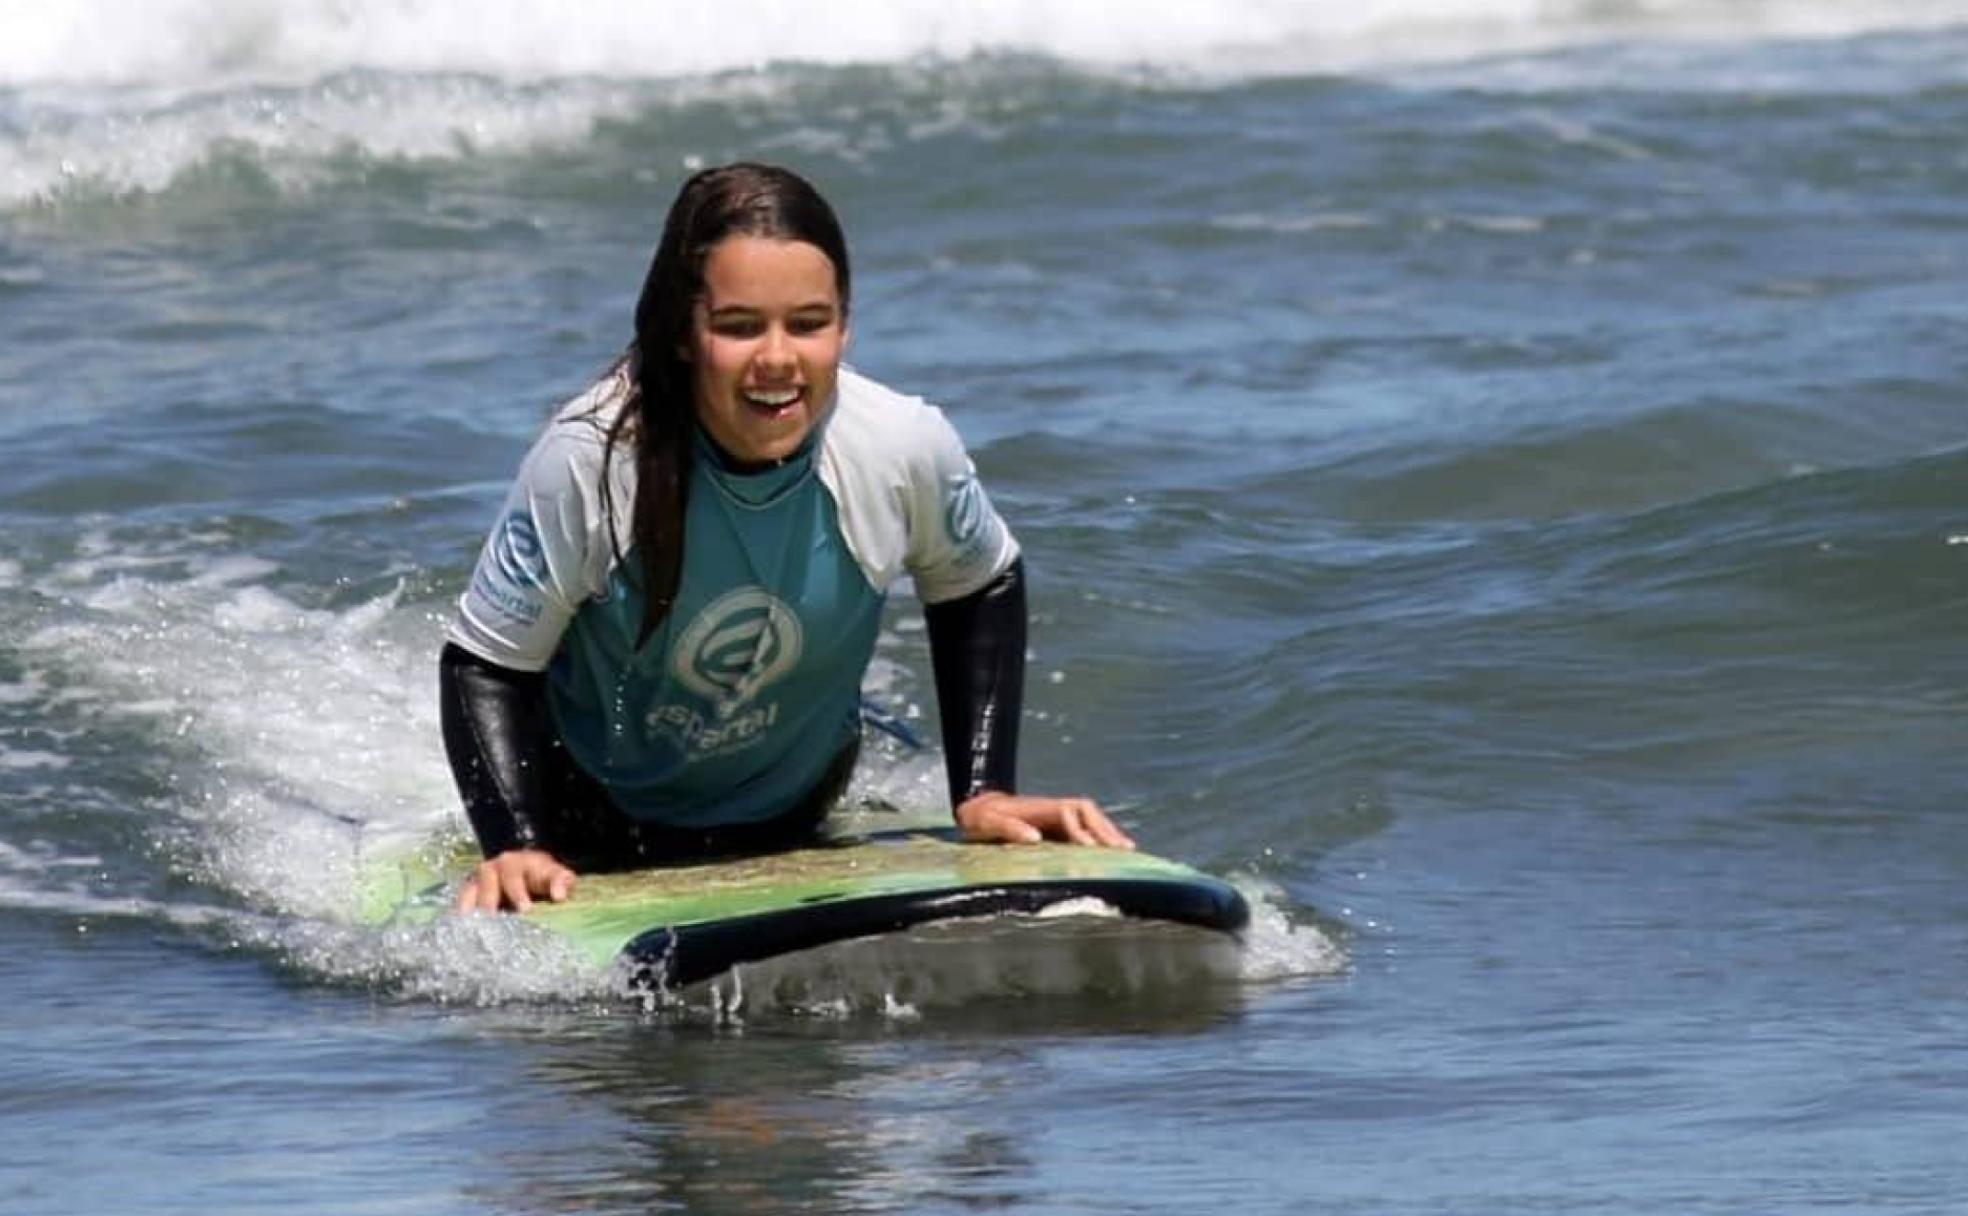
x=874 y=427
x=591 y=415
x=570 y=458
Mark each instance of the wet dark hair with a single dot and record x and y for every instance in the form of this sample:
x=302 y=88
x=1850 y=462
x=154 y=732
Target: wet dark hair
x=655 y=422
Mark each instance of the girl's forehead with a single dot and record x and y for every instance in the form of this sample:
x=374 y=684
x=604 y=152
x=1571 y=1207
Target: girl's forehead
x=766 y=270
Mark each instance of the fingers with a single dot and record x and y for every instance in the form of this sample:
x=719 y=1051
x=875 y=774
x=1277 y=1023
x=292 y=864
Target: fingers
x=987 y=824
x=1074 y=814
x=512 y=886
x=481 y=891
x=1093 y=827
x=1011 y=830
x=1082 y=822
x=1026 y=819
x=513 y=880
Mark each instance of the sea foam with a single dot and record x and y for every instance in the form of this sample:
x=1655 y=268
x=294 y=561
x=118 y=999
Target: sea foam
x=101 y=101
x=195 y=42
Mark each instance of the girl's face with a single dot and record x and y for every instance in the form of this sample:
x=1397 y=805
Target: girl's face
x=765 y=346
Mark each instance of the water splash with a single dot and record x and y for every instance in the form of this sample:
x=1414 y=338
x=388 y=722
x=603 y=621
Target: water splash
x=299 y=738
x=1276 y=946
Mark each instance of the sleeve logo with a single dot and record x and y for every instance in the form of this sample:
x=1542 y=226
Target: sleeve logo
x=964 y=512
x=521 y=559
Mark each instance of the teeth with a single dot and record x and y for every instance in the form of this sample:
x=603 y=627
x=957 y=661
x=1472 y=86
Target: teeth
x=772 y=399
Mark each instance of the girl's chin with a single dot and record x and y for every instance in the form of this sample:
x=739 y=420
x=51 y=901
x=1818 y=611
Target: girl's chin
x=760 y=444
x=754 y=434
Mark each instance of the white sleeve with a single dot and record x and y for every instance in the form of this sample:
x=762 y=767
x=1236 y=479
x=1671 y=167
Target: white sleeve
x=957 y=541
x=537 y=566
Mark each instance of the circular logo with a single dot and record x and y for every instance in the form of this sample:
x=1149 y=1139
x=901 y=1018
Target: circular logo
x=741 y=642
x=518 y=552
x=964 y=513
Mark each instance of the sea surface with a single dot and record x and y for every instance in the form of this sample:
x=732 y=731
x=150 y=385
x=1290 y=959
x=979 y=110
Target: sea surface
x=1494 y=477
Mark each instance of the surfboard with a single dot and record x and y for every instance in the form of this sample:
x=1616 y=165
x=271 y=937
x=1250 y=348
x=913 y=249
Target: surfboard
x=677 y=925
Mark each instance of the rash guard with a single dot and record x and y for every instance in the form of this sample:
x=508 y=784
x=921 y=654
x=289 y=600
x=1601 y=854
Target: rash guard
x=737 y=705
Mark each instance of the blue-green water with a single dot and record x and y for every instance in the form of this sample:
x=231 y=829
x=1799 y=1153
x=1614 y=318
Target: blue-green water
x=1497 y=487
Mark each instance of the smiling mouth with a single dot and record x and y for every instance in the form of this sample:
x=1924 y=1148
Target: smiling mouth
x=773 y=402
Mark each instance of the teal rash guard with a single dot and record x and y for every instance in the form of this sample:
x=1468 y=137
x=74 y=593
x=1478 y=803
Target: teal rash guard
x=735 y=708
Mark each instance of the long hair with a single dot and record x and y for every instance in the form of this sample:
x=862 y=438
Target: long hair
x=656 y=419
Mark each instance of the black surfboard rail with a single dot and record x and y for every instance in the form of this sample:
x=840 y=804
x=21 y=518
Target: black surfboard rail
x=676 y=956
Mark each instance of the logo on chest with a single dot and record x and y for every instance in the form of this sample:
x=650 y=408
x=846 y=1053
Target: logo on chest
x=740 y=644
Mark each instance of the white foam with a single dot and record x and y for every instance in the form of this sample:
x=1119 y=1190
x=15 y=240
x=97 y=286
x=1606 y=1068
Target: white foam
x=112 y=99
x=1084 y=906
x=25 y=758
x=1275 y=946
x=135 y=141
x=298 y=736
x=194 y=42
x=474 y=960
x=74 y=900
x=1297 y=222
x=305 y=724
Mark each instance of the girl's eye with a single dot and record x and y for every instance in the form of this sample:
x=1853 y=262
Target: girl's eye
x=748 y=325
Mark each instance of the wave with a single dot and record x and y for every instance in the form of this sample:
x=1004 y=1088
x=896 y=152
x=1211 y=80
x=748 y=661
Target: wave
x=193 y=42
x=257 y=101
x=1611 y=464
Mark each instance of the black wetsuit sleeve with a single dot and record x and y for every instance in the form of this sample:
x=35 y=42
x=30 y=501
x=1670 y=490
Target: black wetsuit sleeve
x=497 y=731
x=977 y=650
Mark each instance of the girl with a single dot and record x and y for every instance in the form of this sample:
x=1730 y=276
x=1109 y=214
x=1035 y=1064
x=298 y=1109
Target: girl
x=660 y=652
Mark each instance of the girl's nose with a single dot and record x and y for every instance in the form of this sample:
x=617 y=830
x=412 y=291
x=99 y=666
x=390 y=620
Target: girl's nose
x=776 y=351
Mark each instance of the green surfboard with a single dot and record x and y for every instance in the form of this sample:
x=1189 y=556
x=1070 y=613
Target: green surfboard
x=680 y=924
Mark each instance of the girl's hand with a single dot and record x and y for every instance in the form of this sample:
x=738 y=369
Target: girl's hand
x=1030 y=818
x=514 y=879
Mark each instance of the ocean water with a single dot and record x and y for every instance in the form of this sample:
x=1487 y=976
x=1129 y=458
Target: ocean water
x=1495 y=481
